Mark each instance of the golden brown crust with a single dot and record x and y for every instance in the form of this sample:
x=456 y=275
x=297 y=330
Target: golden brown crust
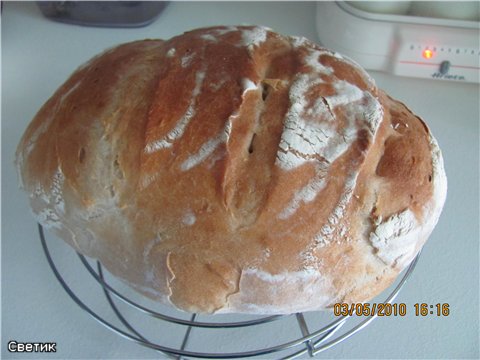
x=229 y=168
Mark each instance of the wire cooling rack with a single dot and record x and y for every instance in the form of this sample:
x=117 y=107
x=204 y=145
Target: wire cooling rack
x=326 y=331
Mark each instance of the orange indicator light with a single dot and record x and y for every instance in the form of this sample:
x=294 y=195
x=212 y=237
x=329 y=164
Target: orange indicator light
x=427 y=54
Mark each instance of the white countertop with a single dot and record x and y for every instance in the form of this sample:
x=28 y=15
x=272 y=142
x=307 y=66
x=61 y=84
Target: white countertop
x=38 y=55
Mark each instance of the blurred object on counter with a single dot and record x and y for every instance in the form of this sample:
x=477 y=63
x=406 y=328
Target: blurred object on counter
x=103 y=13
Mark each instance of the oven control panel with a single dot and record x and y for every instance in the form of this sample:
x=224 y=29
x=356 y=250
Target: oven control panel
x=438 y=55
x=413 y=46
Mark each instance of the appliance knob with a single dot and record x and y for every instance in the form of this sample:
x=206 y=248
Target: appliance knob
x=444 y=67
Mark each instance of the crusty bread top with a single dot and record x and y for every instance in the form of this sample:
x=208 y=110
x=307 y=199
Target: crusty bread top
x=233 y=169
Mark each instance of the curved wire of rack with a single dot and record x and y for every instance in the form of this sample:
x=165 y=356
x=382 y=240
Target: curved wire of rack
x=310 y=343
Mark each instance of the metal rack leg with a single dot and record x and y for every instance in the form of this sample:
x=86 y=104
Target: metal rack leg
x=114 y=307
x=304 y=329
x=187 y=335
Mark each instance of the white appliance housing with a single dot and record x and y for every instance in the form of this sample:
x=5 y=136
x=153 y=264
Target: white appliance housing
x=441 y=49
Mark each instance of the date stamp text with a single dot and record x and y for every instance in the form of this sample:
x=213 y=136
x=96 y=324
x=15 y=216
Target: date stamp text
x=387 y=309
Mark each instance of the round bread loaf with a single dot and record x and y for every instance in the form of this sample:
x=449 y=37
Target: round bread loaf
x=233 y=169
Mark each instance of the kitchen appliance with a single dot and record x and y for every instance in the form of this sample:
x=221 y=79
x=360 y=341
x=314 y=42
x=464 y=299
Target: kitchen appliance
x=126 y=14
x=404 y=45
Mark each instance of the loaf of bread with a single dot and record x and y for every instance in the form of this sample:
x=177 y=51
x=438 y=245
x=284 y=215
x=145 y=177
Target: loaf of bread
x=233 y=169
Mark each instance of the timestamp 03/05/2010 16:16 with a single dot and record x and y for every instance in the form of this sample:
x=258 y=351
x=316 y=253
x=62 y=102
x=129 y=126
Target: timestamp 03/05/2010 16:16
x=387 y=309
